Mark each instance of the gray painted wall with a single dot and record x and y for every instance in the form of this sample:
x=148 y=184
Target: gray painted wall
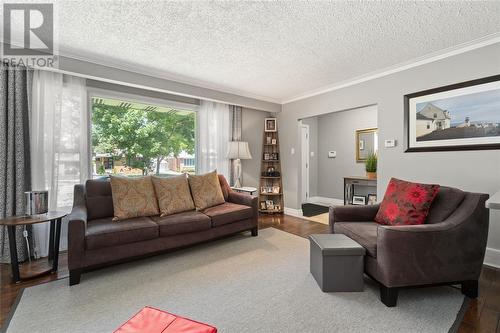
x=336 y=131
x=252 y=132
x=469 y=170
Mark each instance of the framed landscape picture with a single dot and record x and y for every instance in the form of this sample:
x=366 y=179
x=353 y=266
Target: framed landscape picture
x=462 y=116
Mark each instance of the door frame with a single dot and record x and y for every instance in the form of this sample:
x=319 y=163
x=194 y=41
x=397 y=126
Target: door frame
x=305 y=162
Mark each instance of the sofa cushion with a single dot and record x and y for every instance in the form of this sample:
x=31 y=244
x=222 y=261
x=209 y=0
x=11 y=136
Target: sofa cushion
x=406 y=203
x=444 y=204
x=173 y=194
x=182 y=223
x=133 y=197
x=105 y=232
x=98 y=198
x=206 y=190
x=365 y=233
x=228 y=212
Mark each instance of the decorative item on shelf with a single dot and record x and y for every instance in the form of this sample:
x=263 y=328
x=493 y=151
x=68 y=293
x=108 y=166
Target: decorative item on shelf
x=268 y=140
x=371 y=166
x=270 y=125
x=263 y=205
x=461 y=116
x=372 y=199
x=271 y=156
x=269 y=190
x=37 y=202
x=269 y=205
x=358 y=200
x=271 y=172
x=238 y=150
x=273 y=141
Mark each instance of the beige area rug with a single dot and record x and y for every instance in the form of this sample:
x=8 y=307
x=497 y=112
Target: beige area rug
x=238 y=284
x=321 y=218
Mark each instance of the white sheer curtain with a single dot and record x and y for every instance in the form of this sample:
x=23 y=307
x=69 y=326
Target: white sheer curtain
x=213 y=138
x=59 y=144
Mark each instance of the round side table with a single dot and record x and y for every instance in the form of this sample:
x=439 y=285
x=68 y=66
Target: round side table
x=55 y=218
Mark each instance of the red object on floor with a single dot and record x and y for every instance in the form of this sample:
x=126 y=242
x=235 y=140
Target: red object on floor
x=151 y=320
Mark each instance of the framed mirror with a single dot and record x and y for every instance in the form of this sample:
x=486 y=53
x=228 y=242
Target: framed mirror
x=366 y=143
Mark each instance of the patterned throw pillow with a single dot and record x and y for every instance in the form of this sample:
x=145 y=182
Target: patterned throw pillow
x=173 y=194
x=133 y=197
x=206 y=190
x=406 y=203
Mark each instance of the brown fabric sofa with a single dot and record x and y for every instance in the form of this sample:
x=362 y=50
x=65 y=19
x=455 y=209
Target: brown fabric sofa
x=448 y=249
x=94 y=240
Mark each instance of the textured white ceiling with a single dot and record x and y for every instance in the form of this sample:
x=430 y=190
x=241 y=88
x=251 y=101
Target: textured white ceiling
x=275 y=50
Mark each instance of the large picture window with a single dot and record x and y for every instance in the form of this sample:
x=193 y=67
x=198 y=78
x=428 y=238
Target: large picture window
x=133 y=138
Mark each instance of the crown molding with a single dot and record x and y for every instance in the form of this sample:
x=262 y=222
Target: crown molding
x=431 y=57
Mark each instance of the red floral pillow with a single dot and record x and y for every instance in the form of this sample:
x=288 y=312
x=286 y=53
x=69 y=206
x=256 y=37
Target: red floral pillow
x=406 y=203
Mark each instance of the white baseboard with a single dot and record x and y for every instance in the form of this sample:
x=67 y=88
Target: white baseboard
x=326 y=201
x=492 y=257
x=293 y=212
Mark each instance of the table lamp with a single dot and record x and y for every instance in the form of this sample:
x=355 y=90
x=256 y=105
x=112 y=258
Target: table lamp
x=238 y=150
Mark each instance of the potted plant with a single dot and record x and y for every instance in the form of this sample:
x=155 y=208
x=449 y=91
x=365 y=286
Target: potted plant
x=371 y=166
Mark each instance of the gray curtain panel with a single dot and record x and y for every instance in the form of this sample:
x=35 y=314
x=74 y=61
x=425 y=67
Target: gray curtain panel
x=15 y=175
x=235 y=113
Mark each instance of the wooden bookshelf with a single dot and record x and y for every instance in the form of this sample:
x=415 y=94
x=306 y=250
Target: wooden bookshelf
x=271 y=176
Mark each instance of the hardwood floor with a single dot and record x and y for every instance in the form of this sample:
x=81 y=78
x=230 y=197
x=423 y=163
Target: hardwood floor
x=482 y=315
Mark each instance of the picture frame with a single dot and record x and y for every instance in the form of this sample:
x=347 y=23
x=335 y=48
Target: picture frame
x=273 y=141
x=371 y=199
x=270 y=204
x=461 y=116
x=268 y=140
x=263 y=205
x=270 y=125
x=267 y=156
x=366 y=143
x=276 y=189
x=358 y=200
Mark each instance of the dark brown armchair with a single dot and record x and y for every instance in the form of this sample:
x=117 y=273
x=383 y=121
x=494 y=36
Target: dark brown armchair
x=448 y=249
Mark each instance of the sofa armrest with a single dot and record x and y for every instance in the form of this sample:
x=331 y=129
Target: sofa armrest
x=76 y=229
x=243 y=199
x=246 y=200
x=352 y=213
x=452 y=250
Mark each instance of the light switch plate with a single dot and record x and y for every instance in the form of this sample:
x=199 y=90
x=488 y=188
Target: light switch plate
x=390 y=143
x=332 y=154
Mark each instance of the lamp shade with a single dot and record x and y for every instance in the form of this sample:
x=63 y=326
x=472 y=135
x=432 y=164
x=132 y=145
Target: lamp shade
x=239 y=149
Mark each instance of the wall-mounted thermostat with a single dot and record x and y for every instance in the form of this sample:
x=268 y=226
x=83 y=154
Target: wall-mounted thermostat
x=390 y=143
x=332 y=154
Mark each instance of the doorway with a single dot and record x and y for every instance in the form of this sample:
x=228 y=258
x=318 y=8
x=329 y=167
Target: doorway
x=304 y=145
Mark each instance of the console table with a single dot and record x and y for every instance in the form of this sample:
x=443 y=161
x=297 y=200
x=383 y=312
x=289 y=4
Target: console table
x=11 y=223
x=494 y=201
x=350 y=184
x=244 y=189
